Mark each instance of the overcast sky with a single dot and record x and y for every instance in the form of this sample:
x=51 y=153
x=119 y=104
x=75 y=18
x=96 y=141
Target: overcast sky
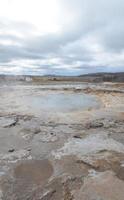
x=65 y=37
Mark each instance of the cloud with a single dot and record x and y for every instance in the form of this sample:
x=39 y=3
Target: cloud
x=73 y=37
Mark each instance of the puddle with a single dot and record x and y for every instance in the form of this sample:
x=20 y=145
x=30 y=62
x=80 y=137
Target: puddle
x=62 y=102
x=32 y=171
x=27 y=177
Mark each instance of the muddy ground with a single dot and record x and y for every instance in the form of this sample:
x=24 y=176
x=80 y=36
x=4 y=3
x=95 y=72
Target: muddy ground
x=62 y=142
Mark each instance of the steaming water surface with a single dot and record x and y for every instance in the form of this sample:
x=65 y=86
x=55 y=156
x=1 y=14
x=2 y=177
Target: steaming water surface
x=62 y=102
x=37 y=100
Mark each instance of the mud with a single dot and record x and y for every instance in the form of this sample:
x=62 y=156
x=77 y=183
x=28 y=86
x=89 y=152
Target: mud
x=62 y=141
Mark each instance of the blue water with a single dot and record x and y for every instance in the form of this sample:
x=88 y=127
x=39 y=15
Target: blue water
x=63 y=102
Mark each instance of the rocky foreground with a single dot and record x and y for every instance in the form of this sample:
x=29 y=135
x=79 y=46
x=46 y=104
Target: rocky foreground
x=61 y=154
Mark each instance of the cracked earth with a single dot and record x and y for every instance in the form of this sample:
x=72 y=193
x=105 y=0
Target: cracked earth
x=62 y=143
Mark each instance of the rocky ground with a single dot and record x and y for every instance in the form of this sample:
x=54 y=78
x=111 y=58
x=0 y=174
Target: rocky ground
x=61 y=154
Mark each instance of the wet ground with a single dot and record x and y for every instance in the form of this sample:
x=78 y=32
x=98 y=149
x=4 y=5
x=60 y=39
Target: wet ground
x=62 y=142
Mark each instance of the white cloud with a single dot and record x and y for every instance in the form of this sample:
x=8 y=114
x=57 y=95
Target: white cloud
x=61 y=36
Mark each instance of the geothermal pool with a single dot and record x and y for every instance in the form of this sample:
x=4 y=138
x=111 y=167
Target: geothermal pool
x=62 y=102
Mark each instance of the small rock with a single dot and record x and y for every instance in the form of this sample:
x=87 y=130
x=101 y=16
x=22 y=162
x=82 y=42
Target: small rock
x=36 y=131
x=95 y=124
x=29 y=149
x=77 y=136
x=11 y=150
x=7 y=122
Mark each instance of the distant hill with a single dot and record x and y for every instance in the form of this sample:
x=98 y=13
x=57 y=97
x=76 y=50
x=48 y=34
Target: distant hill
x=104 y=77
